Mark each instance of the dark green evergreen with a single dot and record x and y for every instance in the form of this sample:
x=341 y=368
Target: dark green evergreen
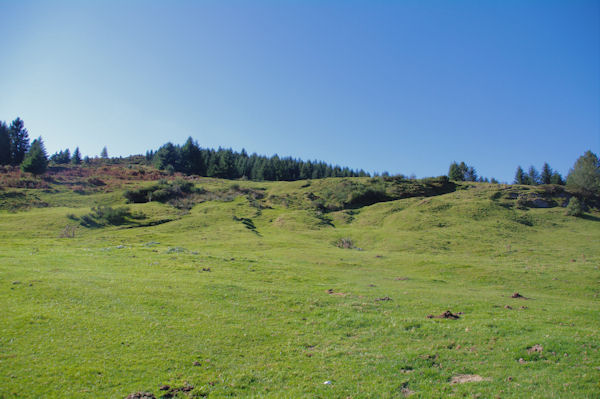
x=76 y=158
x=533 y=176
x=19 y=141
x=61 y=157
x=36 y=160
x=4 y=144
x=585 y=174
x=520 y=177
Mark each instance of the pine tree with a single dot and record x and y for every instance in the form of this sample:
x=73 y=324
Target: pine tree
x=36 y=160
x=455 y=172
x=4 y=144
x=546 y=176
x=104 y=153
x=533 y=176
x=191 y=158
x=76 y=159
x=470 y=174
x=557 y=179
x=520 y=177
x=585 y=174
x=167 y=155
x=19 y=141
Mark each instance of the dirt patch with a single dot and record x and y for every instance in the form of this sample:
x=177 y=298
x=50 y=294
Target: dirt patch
x=332 y=292
x=401 y=278
x=385 y=298
x=172 y=392
x=535 y=348
x=446 y=315
x=463 y=378
x=406 y=392
x=516 y=295
x=507 y=307
x=141 y=395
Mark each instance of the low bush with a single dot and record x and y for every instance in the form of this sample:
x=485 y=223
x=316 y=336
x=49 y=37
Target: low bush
x=575 y=207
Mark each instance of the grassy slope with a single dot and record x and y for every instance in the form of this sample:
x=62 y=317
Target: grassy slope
x=118 y=310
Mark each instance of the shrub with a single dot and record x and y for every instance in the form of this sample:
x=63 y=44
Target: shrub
x=575 y=207
x=346 y=243
x=106 y=215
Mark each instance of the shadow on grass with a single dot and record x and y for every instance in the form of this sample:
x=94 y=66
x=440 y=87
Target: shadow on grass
x=591 y=217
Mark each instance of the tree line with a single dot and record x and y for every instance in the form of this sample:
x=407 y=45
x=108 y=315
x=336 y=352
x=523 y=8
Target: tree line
x=190 y=158
x=228 y=164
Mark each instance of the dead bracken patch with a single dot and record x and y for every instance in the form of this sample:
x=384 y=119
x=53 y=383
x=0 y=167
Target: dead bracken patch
x=446 y=315
x=463 y=378
x=535 y=348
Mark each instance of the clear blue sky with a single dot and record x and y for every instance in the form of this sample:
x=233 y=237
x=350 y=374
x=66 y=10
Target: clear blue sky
x=405 y=86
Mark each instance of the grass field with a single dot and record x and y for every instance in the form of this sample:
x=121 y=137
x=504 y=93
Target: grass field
x=247 y=295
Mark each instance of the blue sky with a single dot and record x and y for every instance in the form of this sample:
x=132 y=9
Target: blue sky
x=399 y=86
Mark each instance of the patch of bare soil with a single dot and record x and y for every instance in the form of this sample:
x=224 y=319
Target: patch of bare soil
x=332 y=292
x=141 y=395
x=516 y=295
x=385 y=298
x=463 y=378
x=401 y=278
x=446 y=315
x=535 y=348
x=172 y=392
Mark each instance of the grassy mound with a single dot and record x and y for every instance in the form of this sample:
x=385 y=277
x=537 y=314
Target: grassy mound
x=260 y=289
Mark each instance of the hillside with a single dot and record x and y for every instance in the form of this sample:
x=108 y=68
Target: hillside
x=120 y=280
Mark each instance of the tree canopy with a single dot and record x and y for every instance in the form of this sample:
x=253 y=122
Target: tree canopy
x=36 y=160
x=585 y=174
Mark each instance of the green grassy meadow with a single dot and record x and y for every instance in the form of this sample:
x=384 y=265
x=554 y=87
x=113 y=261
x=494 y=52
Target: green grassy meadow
x=241 y=296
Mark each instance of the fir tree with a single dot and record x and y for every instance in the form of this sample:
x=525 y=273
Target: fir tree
x=533 y=176
x=104 y=153
x=76 y=159
x=36 y=160
x=520 y=177
x=546 y=176
x=19 y=141
x=4 y=144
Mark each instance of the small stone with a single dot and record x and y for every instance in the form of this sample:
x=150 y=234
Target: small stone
x=327 y=383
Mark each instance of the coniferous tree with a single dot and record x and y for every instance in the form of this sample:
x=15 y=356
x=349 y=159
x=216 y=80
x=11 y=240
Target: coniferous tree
x=191 y=158
x=61 y=157
x=520 y=177
x=167 y=155
x=546 y=176
x=104 y=153
x=76 y=159
x=4 y=144
x=533 y=176
x=36 y=160
x=557 y=179
x=19 y=141
x=470 y=174
x=455 y=172
x=585 y=174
